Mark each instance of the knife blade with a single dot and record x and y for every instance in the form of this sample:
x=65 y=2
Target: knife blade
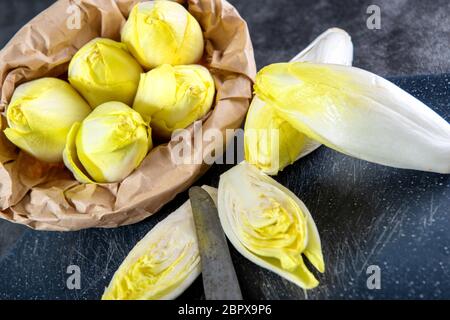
x=219 y=277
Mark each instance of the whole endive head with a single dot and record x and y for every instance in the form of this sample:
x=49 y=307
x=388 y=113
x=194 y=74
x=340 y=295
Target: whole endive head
x=358 y=113
x=268 y=224
x=272 y=143
x=173 y=97
x=108 y=145
x=159 y=32
x=103 y=70
x=40 y=115
x=164 y=263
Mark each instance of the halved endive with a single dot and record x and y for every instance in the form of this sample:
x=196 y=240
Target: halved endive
x=272 y=143
x=269 y=225
x=357 y=113
x=164 y=263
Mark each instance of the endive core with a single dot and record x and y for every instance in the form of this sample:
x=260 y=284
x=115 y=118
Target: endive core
x=275 y=230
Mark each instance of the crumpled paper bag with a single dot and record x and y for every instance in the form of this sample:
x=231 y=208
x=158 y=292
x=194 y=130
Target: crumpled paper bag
x=46 y=196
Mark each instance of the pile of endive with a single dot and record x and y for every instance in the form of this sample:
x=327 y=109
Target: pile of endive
x=100 y=122
x=318 y=98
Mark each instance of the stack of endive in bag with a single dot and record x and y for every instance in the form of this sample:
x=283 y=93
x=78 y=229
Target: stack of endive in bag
x=100 y=122
x=318 y=98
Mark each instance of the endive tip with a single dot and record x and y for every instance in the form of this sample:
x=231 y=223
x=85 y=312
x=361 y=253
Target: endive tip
x=332 y=46
x=338 y=30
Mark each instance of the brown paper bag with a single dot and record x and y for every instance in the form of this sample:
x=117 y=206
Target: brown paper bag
x=46 y=196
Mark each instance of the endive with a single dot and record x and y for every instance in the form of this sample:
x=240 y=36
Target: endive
x=272 y=143
x=40 y=116
x=269 y=225
x=164 y=263
x=173 y=97
x=160 y=32
x=108 y=145
x=357 y=113
x=103 y=70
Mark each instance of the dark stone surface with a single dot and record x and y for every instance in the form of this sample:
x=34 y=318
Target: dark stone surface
x=413 y=38
x=366 y=214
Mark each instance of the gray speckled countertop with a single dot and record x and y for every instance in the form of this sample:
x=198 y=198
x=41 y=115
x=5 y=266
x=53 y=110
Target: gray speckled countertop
x=367 y=214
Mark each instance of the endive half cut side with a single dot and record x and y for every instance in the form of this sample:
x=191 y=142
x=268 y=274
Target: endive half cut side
x=164 y=263
x=357 y=113
x=271 y=142
x=269 y=225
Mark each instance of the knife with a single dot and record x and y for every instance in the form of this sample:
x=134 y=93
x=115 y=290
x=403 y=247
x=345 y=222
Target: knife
x=219 y=277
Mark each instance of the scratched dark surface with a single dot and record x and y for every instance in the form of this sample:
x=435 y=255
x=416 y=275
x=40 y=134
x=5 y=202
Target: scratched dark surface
x=366 y=214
